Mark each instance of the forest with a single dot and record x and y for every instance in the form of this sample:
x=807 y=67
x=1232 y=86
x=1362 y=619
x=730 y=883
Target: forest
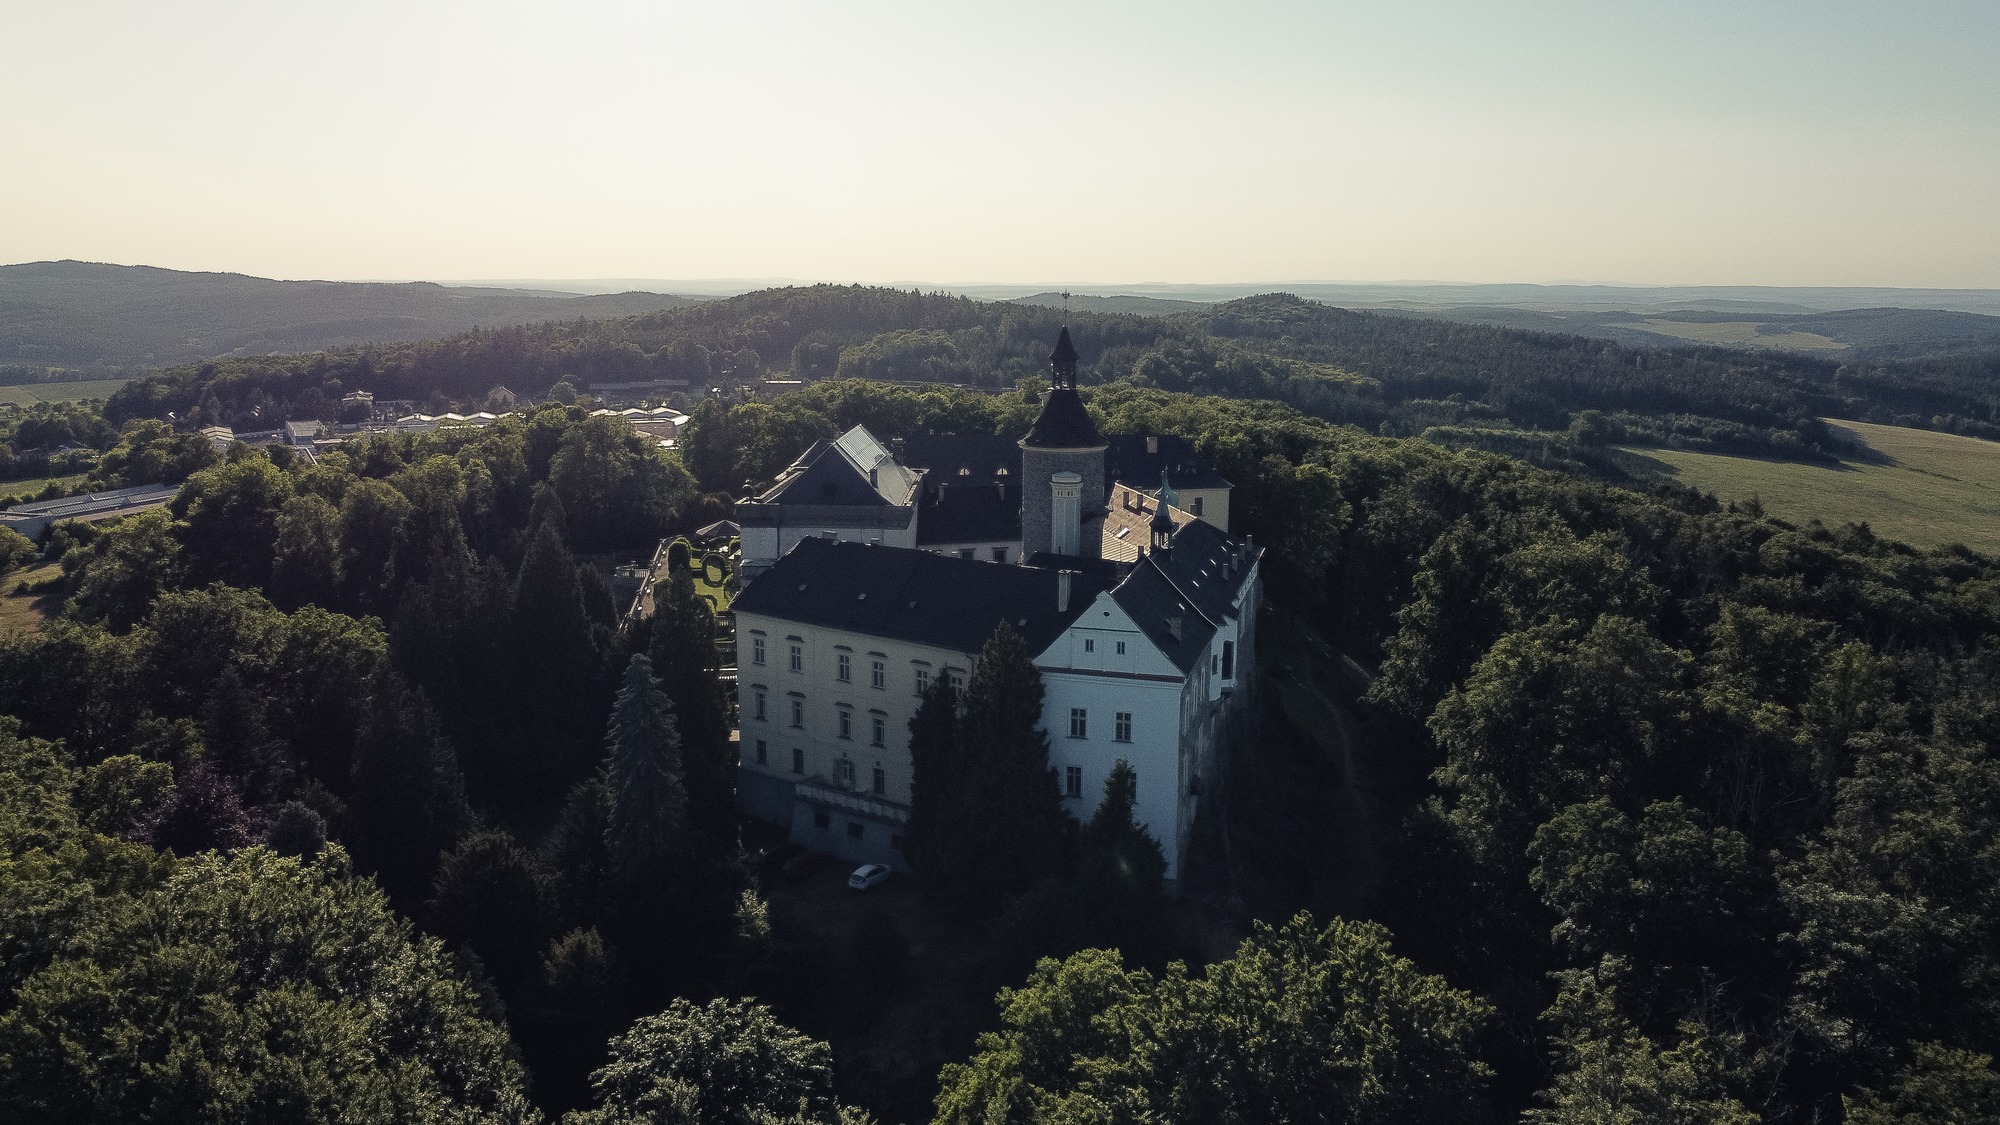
x=1385 y=373
x=345 y=791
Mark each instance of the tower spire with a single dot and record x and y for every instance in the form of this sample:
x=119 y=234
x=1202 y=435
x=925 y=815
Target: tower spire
x=1062 y=361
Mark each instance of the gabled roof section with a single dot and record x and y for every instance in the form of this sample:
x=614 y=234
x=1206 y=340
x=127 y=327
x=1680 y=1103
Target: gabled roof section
x=1191 y=589
x=1209 y=567
x=854 y=470
x=915 y=596
x=1169 y=622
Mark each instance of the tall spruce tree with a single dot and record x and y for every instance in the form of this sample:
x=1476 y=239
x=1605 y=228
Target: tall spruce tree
x=930 y=838
x=647 y=824
x=556 y=663
x=1007 y=830
x=409 y=797
x=684 y=662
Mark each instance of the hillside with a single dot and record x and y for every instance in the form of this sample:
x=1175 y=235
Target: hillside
x=1082 y=302
x=92 y=315
x=1383 y=372
x=1923 y=488
x=1846 y=334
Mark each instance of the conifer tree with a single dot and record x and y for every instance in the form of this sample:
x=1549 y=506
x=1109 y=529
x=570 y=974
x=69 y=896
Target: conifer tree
x=409 y=797
x=934 y=753
x=1002 y=828
x=646 y=828
x=556 y=665
x=683 y=658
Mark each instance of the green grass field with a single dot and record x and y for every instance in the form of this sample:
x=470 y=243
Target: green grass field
x=1739 y=333
x=21 y=613
x=1928 y=490
x=27 y=394
x=34 y=485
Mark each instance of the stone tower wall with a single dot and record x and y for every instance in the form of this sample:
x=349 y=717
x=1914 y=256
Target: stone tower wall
x=1037 y=466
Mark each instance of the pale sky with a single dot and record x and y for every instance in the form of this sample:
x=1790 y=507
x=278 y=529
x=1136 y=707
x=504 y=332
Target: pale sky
x=1750 y=142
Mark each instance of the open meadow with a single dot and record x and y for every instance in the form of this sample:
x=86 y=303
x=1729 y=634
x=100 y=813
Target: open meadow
x=28 y=394
x=1927 y=489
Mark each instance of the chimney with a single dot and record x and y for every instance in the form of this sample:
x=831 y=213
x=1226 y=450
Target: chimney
x=1062 y=590
x=1152 y=443
x=1174 y=625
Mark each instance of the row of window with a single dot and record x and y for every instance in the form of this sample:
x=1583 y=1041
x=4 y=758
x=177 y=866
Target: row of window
x=1121 y=724
x=878 y=725
x=843 y=667
x=843 y=769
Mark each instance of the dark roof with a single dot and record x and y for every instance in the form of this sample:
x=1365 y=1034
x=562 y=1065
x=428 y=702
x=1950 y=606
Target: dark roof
x=838 y=472
x=969 y=513
x=1063 y=423
x=909 y=595
x=963 y=458
x=1127 y=460
x=1198 y=581
x=1065 y=351
x=971 y=490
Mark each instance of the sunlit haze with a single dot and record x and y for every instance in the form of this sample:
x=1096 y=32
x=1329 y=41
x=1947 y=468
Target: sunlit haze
x=1827 y=143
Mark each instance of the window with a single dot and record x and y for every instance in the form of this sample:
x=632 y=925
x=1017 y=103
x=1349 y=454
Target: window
x=1229 y=660
x=1197 y=506
x=1121 y=648
x=843 y=772
x=846 y=723
x=923 y=680
x=844 y=668
x=957 y=683
x=880 y=732
x=798 y=658
x=878 y=675
x=1089 y=645
x=1079 y=723
x=759 y=712
x=1215 y=664
x=1121 y=727
x=798 y=760
x=965 y=552
x=756 y=650
x=1073 y=781
x=798 y=714
x=881 y=780
x=999 y=554
x=854 y=830
x=821 y=820
x=763 y=753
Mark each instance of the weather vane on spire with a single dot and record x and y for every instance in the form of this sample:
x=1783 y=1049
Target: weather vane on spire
x=1065 y=297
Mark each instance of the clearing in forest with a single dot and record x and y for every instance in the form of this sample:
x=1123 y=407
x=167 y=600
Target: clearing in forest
x=1926 y=489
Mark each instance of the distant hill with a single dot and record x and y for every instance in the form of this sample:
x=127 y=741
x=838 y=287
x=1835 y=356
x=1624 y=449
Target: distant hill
x=92 y=315
x=1867 y=334
x=1140 y=306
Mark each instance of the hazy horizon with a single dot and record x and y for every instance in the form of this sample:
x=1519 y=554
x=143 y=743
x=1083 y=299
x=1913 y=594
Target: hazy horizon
x=1782 y=144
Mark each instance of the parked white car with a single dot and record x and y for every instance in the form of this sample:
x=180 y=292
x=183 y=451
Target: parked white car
x=868 y=876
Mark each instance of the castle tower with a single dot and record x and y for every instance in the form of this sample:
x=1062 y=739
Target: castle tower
x=1062 y=469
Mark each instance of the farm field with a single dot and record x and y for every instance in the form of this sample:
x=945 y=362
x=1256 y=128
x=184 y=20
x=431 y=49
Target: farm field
x=33 y=486
x=1928 y=489
x=27 y=394
x=26 y=612
x=1739 y=333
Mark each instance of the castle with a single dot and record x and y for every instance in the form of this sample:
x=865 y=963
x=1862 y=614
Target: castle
x=872 y=569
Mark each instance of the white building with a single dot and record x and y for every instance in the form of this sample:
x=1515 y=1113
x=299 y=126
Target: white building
x=1142 y=650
